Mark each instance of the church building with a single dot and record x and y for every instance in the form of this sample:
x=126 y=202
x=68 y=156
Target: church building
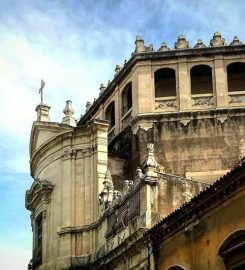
x=152 y=176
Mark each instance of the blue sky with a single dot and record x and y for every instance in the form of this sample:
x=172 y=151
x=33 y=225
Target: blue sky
x=74 y=46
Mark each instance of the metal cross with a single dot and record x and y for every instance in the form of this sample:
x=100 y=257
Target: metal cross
x=41 y=90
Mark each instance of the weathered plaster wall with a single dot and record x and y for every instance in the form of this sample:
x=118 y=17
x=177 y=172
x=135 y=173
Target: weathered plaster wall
x=197 y=247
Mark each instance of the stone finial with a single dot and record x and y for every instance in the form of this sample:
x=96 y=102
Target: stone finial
x=139 y=42
x=117 y=69
x=88 y=105
x=217 y=40
x=236 y=41
x=43 y=112
x=126 y=187
x=181 y=43
x=138 y=175
x=116 y=196
x=109 y=82
x=102 y=88
x=125 y=62
x=199 y=44
x=150 y=164
x=163 y=47
x=68 y=119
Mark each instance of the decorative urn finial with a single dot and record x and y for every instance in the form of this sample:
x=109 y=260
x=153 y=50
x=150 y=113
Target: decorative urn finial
x=163 y=47
x=236 y=41
x=217 y=40
x=68 y=119
x=139 y=42
x=181 y=43
x=199 y=44
x=150 y=164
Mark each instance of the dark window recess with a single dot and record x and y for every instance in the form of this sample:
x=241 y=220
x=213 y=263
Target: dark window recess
x=127 y=98
x=236 y=77
x=201 y=80
x=232 y=251
x=110 y=114
x=37 y=253
x=165 y=82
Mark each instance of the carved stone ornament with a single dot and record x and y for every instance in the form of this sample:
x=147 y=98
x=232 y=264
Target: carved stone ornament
x=69 y=153
x=117 y=69
x=203 y=101
x=163 y=47
x=222 y=119
x=102 y=88
x=150 y=164
x=236 y=41
x=200 y=44
x=88 y=105
x=181 y=43
x=185 y=122
x=237 y=99
x=107 y=194
x=126 y=187
x=217 y=40
x=138 y=175
x=165 y=104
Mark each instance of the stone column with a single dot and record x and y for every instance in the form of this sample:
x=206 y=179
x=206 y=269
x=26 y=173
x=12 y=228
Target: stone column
x=184 y=92
x=220 y=83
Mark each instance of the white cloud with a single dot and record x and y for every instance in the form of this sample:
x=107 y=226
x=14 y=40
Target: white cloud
x=13 y=258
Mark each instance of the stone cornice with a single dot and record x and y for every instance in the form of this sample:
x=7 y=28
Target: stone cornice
x=153 y=56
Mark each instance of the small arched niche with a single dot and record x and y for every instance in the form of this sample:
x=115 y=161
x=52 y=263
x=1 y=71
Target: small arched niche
x=110 y=114
x=201 y=80
x=232 y=250
x=126 y=98
x=236 y=77
x=165 y=82
x=176 y=267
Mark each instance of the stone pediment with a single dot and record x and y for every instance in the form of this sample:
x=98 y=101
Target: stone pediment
x=43 y=132
x=40 y=191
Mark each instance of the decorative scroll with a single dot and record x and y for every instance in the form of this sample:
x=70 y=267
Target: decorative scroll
x=237 y=99
x=165 y=104
x=203 y=101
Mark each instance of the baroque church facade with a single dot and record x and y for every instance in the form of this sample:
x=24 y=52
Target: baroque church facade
x=152 y=175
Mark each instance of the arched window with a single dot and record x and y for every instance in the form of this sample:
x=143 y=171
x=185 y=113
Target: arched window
x=236 y=77
x=232 y=251
x=201 y=80
x=127 y=98
x=110 y=114
x=165 y=82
